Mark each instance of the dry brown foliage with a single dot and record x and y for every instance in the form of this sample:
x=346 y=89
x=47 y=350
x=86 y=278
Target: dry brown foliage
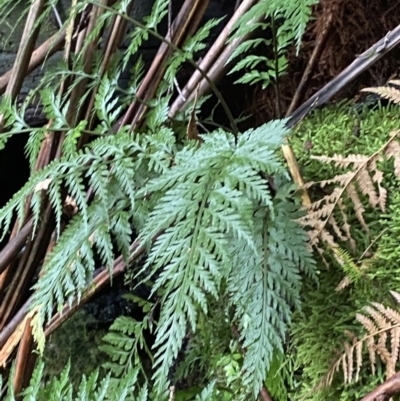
x=364 y=178
x=381 y=341
x=388 y=92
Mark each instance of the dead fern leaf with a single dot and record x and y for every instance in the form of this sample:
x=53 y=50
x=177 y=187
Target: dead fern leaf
x=382 y=339
x=387 y=92
x=344 y=283
x=364 y=178
x=379 y=319
x=367 y=323
x=343 y=161
x=394 y=344
x=359 y=347
x=396 y=296
x=389 y=313
x=358 y=206
x=346 y=225
x=366 y=186
x=371 y=353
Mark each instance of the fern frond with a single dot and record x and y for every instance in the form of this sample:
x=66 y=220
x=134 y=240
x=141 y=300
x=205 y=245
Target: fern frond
x=350 y=268
x=388 y=92
x=138 y=35
x=123 y=342
x=90 y=389
x=264 y=285
x=208 y=198
x=383 y=340
x=364 y=178
x=294 y=16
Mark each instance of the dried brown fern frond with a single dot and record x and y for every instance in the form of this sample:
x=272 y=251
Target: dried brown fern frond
x=387 y=92
x=381 y=341
x=364 y=178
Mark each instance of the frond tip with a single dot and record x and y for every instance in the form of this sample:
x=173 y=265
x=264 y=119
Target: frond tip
x=387 y=92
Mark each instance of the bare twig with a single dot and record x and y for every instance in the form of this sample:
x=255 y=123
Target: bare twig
x=312 y=62
x=386 y=390
x=12 y=248
x=13 y=324
x=210 y=60
x=359 y=65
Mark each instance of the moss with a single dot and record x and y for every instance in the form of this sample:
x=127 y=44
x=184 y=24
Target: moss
x=77 y=341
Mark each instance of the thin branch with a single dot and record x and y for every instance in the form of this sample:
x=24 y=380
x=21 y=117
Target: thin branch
x=12 y=248
x=386 y=390
x=359 y=65
x=312 y=62
x=211 y=60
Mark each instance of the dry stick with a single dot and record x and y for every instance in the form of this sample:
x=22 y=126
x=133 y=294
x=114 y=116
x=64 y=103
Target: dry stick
x=14 y=322
x=12 y=248
x=99 y=282
x=312 y=63
x=215 y=72
x=150 y=83
x=210 y=60
x=386 y=390
x=22 y=359
x=359 y=65
x=46 y=49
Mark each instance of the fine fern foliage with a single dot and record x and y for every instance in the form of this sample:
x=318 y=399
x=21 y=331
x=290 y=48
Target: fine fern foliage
x=90 y=388
x=293 y=18
x=363 y=181
x=265 y=285
x=125 y=339
x=210 y=198
x=218 y=215
x=69 y=267
x=381 y=341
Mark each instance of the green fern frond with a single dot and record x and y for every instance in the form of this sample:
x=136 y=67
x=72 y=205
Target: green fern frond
x=138 y=35
x=208 y=200
x=294 y=17
x=90 y=389
x=265 y=286
x=123 y=342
